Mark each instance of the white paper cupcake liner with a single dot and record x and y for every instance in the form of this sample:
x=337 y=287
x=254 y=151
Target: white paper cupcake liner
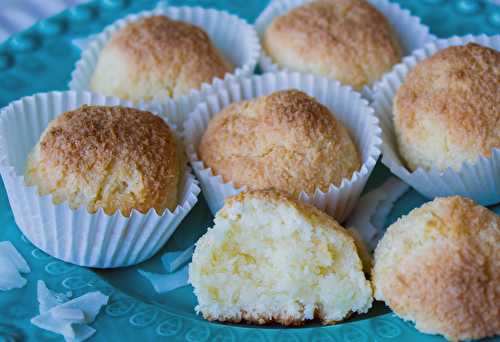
x=349 y=107
x=233 y=37
x=410 y=31
x=479 y=181
x=77 y=236
x=373 y=208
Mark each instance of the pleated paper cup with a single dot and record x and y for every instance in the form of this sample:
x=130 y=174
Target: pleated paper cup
x=232 y=36
x=480 y=180
x=349 y=107
x=75 y=235
x=410 y=31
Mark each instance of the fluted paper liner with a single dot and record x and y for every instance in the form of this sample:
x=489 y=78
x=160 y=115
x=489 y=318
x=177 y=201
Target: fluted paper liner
x=75 y=235
x=233 y=37
x=410 y=31
x=349 y=107
x=480 y=181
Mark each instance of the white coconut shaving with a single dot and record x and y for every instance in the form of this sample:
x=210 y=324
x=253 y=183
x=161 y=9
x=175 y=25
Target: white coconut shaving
x=68 y=317
x=172 y=261
x=11 y=278
x=167 y=282
x=48 y=299
x=369 y=216
x=7 y=248
x=12 y=264
x=176 y=276
x=69 y=314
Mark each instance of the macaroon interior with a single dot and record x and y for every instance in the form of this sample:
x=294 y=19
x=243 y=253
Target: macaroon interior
x=265 y=261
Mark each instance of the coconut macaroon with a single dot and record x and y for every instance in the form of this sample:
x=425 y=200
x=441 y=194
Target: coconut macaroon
x=447 y=111
x=348 y=40
x=439 y=267
x=286 y=140
x=115 y=158
x=156 y=57
x=270 y=258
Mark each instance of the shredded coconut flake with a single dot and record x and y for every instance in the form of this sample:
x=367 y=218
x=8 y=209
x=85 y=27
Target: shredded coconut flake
x=12 y=264
x=369 y=216
x=68 y=317
x=167 y=282
x=172 y=261
x=10 y=277
x=8 y=249
x=48 y=299
x=82 y=333
x=69 y=314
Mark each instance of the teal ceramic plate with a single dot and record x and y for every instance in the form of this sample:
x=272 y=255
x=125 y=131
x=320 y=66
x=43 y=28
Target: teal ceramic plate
x=41 y=59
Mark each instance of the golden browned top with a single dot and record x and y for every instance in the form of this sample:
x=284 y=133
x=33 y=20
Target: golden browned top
x=182 y=53
x=458 y=90
x=96 y=135
x=344 y=39
x=285 y=140
x=438 y=266
x=111 y=150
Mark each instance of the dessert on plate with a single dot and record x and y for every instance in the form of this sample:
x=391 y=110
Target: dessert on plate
x=447 y=111
x=348 y=40
x=270 y=258
x=92 y=180
x=301 y=134
x=439 y=112
x=439 y=266
x=109 y=157
x=157 y=57
x=286 y=140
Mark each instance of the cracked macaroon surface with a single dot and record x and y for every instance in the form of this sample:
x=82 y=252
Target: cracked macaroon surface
x=447 y=111
x=439 y=267
x=348 y=40
x=286 y=140
x=115 y=158
x=156 y=57
x=270 y=258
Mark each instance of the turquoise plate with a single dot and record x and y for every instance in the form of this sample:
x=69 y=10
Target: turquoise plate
x=41 y=59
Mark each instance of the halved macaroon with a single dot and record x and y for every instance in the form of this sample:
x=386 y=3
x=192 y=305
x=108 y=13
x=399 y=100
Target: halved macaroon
x=270 y=258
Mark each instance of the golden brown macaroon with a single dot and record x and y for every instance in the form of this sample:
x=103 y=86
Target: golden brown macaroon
x=447 y=111
x=348 y=40
x=286 y=140
x=439 y=267
x=271 y=258
x=156 y=57
x=114 y=158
